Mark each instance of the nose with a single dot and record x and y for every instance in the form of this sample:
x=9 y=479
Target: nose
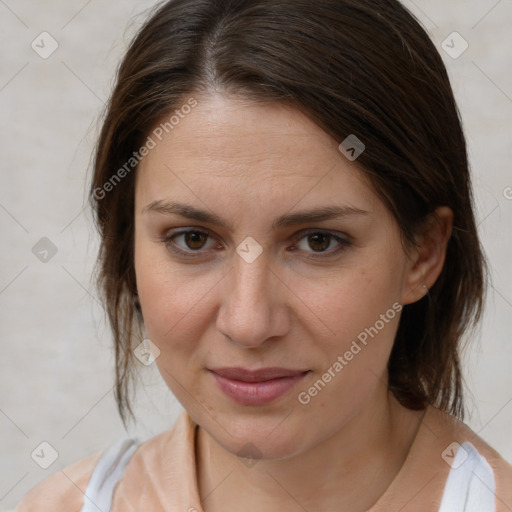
x=253 y=306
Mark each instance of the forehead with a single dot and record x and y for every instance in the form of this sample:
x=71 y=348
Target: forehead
x=258 y=151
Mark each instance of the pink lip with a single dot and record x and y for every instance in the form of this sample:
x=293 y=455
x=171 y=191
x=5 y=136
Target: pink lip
x=256 y=387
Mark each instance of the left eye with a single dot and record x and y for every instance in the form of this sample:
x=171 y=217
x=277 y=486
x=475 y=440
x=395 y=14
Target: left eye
x=320 y=242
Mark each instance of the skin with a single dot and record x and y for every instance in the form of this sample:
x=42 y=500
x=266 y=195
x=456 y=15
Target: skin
x=250 y=163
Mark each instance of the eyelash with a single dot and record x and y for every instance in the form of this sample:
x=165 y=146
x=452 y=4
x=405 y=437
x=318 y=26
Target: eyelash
x=169 y=241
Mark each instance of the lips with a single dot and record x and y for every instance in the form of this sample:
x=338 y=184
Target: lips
x=256 y=387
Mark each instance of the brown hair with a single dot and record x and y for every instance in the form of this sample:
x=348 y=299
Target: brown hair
x=363 y=67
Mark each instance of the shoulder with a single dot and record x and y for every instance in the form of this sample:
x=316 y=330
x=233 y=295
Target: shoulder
x=161 y=474
x=489 y=471
x=474 y=463
x=63 y=491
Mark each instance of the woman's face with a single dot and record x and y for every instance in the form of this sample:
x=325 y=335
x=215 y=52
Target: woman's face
x=291 y=261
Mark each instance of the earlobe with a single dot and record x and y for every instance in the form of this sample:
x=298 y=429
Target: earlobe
x=429 y=255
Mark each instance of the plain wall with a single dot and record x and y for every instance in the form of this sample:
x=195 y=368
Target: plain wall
x=56 y=361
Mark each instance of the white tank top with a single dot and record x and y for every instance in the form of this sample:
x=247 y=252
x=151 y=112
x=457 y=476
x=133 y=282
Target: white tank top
x=470 y=486
x=107 y=473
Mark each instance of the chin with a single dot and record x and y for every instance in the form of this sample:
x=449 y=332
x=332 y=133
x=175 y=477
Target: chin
x=260 y=447
x=258 y=436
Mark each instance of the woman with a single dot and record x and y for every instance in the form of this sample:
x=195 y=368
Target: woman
x=285 y=209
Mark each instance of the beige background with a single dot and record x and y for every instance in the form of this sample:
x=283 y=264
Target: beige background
x=56 y=373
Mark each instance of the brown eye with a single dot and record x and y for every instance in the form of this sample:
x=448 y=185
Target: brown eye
x=322 y=244
x=195 y=239
x=319 y=241
x=192 y=242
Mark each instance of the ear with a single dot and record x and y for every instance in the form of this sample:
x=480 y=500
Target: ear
x=427 y=258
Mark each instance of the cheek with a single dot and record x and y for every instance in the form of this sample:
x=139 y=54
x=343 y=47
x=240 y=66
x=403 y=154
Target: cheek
x=355 y=299
x=168 y=302
x=359 y=312
x=176 y=304
x=175 y=316
x=363 y=316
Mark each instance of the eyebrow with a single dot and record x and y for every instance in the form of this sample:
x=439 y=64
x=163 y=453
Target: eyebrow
x=286 y=220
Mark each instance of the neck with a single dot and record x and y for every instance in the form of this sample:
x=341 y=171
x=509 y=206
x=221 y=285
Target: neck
x=349 y=471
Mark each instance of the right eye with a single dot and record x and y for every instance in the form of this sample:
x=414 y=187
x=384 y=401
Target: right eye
x=189 y=242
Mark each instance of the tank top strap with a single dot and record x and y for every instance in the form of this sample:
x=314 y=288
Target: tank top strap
x=471 y=485
x=106 y=474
